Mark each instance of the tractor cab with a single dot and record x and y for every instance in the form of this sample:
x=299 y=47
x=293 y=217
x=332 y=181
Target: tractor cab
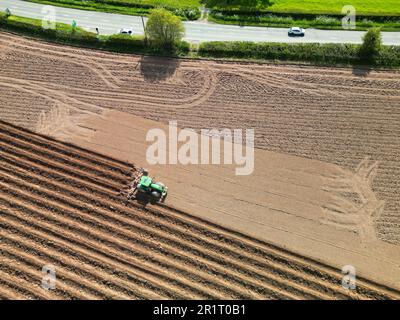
x=145 y=182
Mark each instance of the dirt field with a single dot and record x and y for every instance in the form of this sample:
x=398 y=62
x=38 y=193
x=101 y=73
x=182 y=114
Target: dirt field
x=61 y=205
x=328 y=140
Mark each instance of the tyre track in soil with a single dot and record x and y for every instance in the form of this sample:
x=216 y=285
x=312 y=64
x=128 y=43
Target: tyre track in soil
x=102 y=74
x=97 y=62
x=199 y=97
x=317 y=88
x=197 y=94
x=45 y=92
x=37 y=87
x=68 y=219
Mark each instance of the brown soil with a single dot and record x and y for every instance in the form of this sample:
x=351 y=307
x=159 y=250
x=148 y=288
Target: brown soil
x=103 y=247
x=314 y=208
x=328 y=141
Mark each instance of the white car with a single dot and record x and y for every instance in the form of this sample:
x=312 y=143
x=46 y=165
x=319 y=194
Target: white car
x=296 y=32
x=128 y=31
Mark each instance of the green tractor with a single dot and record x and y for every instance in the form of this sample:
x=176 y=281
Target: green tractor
x=147 y=190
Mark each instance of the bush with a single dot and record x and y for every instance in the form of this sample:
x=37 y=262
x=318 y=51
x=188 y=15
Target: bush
x=125 y=42
x=366 y=22
x=372 y=45
x=310 y=52
x=164 y=29
x=183 y=47
x=187 y=13
x=388 y=56
x=325 y=20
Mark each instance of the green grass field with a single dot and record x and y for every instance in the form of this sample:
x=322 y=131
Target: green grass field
x=169 y=3
x=154 y=3
x=367 y=7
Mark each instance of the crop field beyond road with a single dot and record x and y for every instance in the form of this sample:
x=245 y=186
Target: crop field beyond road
x=367 y=7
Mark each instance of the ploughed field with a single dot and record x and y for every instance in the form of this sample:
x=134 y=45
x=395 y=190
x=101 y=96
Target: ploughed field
x=340 y=116
x=62 y=205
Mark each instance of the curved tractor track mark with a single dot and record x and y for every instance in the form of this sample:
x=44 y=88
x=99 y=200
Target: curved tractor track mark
x=210 y=79
x=356 y=206
x=50 y=94
x=50 y=52
x=99 y=73
x=206 y=91
x=274 y=80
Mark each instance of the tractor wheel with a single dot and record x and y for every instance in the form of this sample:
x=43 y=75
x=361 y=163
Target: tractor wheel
x=163 y=198
x=155 y=197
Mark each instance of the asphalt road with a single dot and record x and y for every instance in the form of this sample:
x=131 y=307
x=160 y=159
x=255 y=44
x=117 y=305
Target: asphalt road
x=109 y=23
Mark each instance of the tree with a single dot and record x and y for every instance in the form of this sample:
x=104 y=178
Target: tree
x=372 y=45
x=164 y=29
